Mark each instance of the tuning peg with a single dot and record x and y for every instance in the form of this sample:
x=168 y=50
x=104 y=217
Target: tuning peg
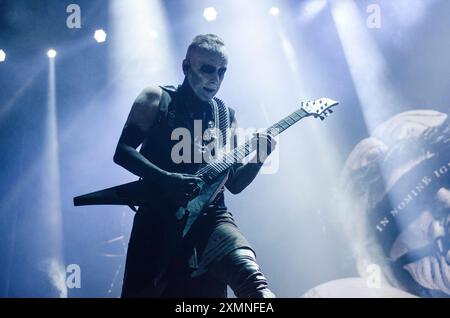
x=322 y=117
x=330 y=111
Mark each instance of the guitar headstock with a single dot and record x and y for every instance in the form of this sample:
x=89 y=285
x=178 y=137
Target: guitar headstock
x=319 y=107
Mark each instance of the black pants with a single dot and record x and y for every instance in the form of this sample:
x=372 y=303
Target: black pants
x=238 y=269
x=224 y=258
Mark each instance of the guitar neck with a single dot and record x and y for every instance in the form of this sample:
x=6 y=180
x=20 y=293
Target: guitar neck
x=219 y=165
x=286 y=122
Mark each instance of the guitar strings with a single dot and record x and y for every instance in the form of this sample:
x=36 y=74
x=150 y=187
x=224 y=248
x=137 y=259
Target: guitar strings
x=240 y=152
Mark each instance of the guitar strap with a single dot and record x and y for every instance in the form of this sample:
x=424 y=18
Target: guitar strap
x=221 y=120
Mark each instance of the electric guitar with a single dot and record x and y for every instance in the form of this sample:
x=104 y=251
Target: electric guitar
x=213 y=175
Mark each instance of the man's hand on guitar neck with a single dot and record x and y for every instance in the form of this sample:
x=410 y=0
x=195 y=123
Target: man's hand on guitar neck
x=264 y=144
x=245 y=174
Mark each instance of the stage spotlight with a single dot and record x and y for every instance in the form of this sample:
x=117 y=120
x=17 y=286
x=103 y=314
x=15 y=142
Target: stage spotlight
x=2 y=56
x=367 y=64
x=100 y=36
x=51 y=53
x=312 y=8
x=153 y=34
x=274 y=11
x=210 y=14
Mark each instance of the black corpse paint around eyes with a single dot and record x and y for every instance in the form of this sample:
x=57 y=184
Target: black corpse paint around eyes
x=209 y=69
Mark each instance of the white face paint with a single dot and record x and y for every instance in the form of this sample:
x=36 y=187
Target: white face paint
x=205 y=72
x=431 y=272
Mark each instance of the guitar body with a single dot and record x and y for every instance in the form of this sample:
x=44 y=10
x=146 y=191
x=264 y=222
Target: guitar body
x=195 y=207
x=137 y=193
x=143 y=193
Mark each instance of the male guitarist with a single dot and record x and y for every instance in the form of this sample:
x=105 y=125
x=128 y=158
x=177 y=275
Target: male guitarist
x=160 y=261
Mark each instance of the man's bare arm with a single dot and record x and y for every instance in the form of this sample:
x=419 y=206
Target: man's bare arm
x=141 y=118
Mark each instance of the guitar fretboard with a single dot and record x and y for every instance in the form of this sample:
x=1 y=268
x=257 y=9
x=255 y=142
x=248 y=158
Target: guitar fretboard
x=214 y=168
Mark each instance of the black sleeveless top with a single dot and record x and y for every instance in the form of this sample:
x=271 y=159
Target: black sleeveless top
x=180 y=108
